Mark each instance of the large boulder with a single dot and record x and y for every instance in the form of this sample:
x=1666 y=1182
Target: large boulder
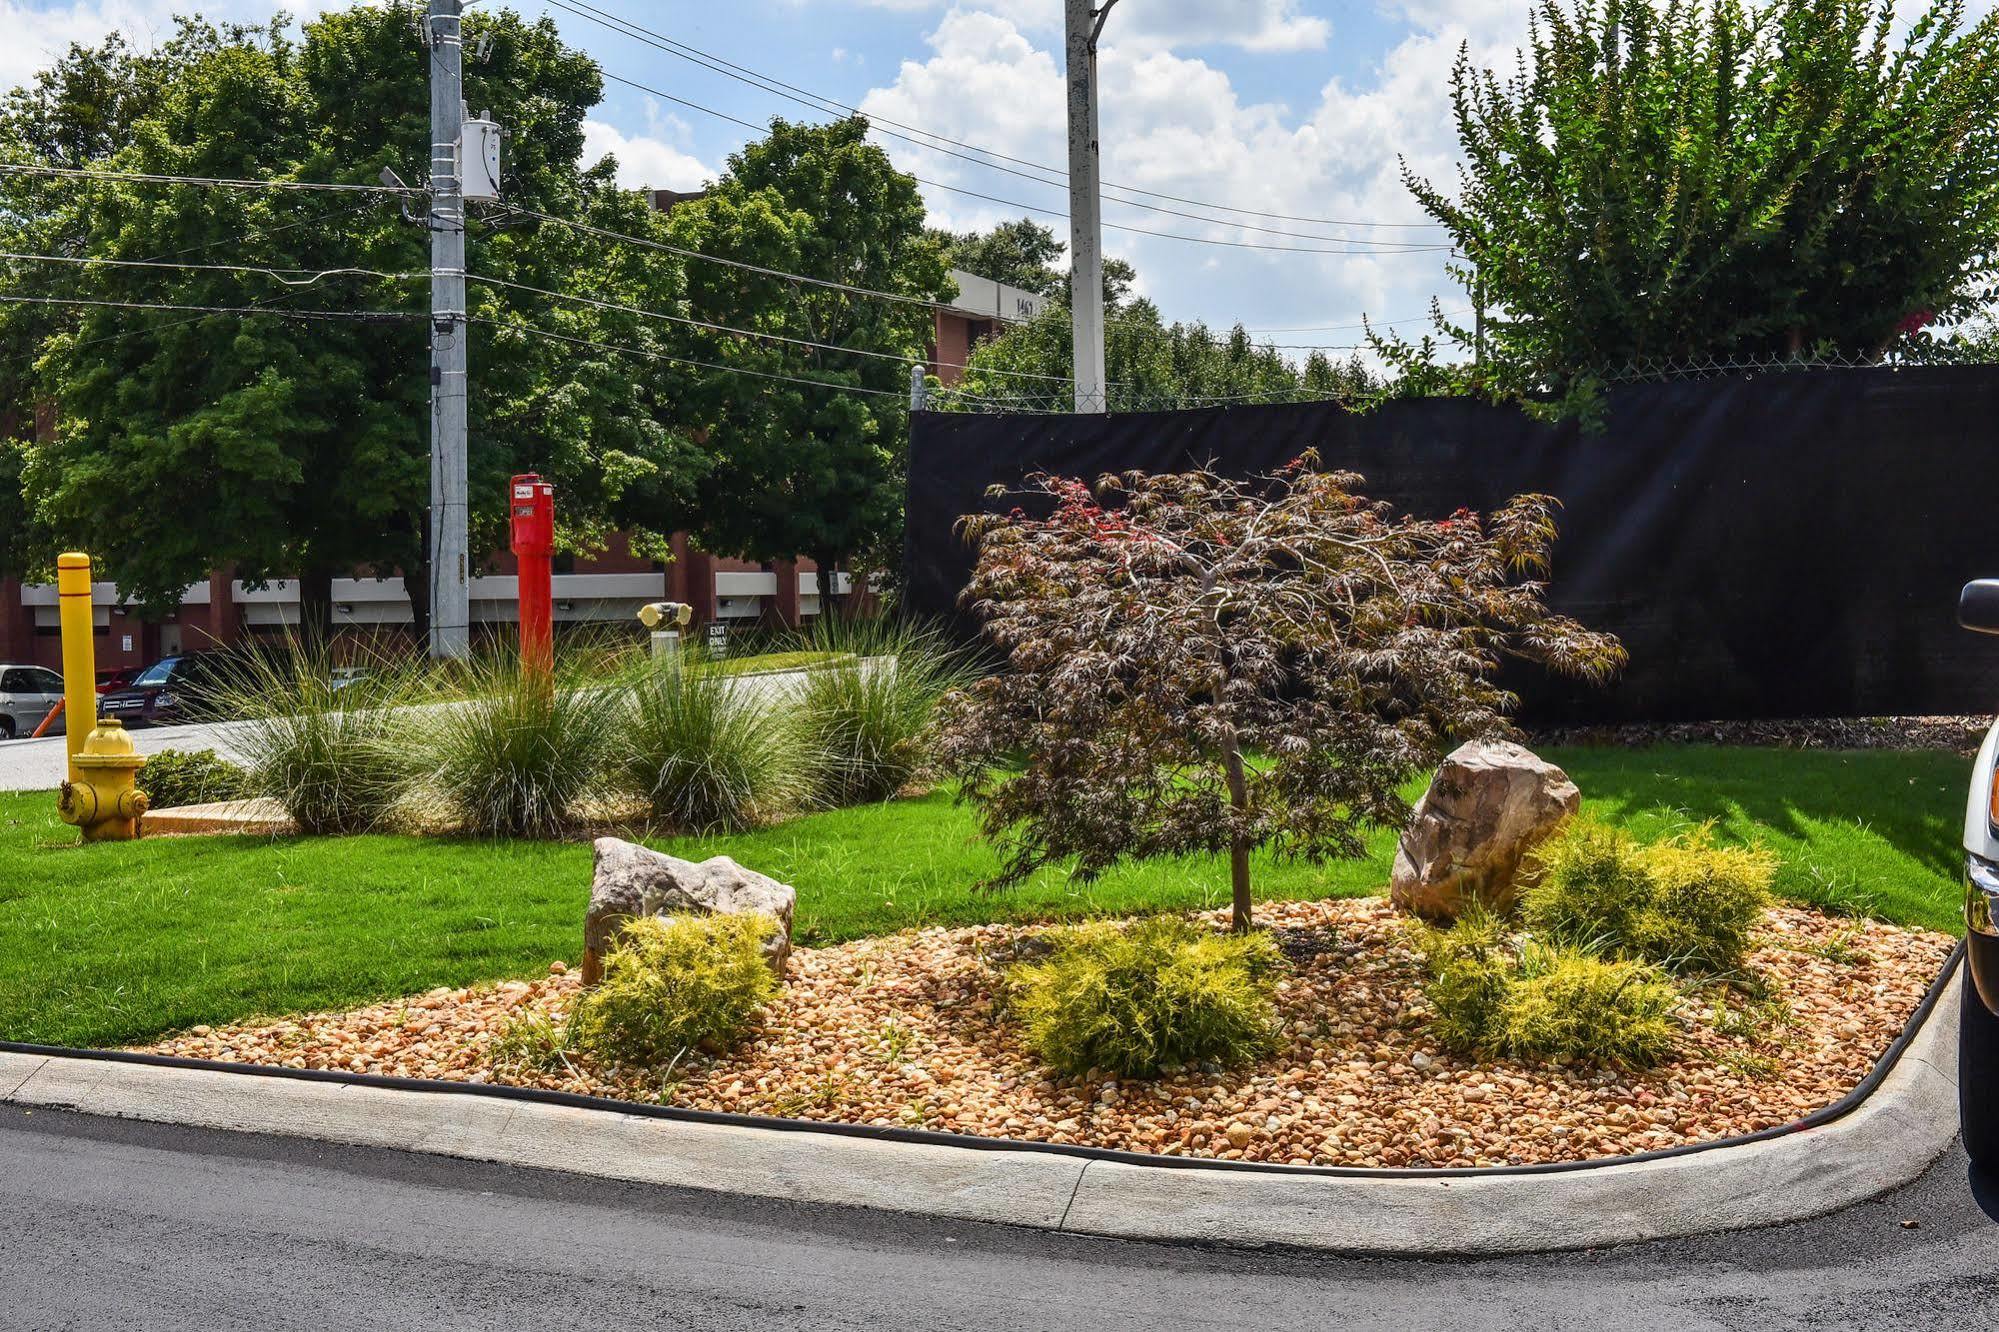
x=1490 y=803
x=629 y=880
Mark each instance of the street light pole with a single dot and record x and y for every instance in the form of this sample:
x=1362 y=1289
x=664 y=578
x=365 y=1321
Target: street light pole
x=1086 y=256
x=450 y=587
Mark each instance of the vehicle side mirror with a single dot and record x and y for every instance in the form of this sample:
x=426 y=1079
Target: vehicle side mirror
x=1978 y=606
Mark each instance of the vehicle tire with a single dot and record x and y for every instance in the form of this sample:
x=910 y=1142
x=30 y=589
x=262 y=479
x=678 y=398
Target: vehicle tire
x=6 y=728
x=1978 y=1079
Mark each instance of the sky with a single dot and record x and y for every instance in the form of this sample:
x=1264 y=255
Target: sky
x=1301 y=108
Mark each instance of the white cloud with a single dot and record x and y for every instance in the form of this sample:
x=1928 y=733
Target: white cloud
x=646 y=161
x=1182 y=126
x=1252 y=25
x=37 y=37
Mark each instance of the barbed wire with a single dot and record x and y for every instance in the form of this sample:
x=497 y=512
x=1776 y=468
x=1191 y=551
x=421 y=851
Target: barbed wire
x=1661 y=369
x=1114 y=398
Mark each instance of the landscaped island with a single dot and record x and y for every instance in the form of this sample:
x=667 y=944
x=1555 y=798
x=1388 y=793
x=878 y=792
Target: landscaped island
x=902 y=1031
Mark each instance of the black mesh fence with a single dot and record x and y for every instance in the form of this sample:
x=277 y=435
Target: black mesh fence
x=1782 y=545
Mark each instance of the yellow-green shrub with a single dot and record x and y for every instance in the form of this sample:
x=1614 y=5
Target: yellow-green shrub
x=1160 y=992
x=1687 y=903
x=1569 y=1004
x=1471 y=968
x=1706 y=900
x=671 y=984
x=1594 y=887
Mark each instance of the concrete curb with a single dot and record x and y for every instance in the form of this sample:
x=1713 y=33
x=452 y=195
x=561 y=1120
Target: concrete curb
x=1887 y=1141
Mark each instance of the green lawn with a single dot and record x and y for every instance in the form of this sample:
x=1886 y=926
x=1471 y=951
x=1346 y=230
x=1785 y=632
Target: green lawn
x=115 y=943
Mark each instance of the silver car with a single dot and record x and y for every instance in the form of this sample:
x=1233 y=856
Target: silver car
x=27 y=695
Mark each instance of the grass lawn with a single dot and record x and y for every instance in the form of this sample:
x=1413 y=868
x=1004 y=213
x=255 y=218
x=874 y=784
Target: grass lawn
x=115 y=943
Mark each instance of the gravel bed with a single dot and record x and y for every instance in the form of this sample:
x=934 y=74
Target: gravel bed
x=1956 y=735
x=901 y=1030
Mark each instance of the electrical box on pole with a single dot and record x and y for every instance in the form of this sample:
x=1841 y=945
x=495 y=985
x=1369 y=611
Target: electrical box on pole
x=479 y=151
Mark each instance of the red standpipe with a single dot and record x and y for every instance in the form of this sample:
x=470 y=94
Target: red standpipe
x=532 y=507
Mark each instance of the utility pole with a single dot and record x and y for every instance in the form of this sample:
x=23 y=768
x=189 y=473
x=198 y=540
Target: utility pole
x=1086 y=253
x=450 y=586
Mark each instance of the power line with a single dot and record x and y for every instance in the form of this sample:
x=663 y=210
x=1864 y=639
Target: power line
x=218 y=182
x=818 y=102
x=650 y=244
x=745 y=332
x=1369 y=246
x=540 y=332
x=1370 y=323
x=277 y=274
x=377 y=316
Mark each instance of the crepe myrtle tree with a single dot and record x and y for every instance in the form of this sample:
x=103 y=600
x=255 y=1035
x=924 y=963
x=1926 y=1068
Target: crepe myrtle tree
x=1201 y=664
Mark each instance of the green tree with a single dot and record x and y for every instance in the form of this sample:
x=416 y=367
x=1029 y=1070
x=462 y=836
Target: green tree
x=1199 y=664
x=800 y=469
x=1148 y=364
x=1682 y=179
x=292 y=447
x=1021 y=254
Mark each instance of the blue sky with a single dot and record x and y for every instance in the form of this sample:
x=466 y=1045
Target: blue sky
x=1296 y=107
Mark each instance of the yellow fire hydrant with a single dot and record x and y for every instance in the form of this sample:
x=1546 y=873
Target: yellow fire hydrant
x=103 y=798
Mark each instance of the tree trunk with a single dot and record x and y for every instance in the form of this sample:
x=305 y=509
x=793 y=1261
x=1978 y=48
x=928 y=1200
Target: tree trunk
x=416 y=584
x=829 y=600
x=315 y=609
x=1238 y=847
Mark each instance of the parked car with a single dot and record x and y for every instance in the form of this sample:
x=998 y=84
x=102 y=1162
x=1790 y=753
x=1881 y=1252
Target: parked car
x=27 y=695
x=1978 y=1024
x=170 y=691
x=116 y=678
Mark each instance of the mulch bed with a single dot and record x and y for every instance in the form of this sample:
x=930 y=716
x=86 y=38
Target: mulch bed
x=901 y=1030
x=1956 y=735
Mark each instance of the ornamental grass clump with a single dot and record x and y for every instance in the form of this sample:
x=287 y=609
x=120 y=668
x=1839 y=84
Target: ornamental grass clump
x=1688 y=903
x=1153 y=995
x=671 y=984
x=867 y=712
x=337 y=759
x=520 y=755
x=708 y=752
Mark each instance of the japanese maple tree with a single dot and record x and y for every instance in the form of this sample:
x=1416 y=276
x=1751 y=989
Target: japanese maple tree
x=1196 y=663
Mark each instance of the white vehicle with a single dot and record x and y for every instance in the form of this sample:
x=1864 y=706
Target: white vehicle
x=27 y=695
x=1978 y=1025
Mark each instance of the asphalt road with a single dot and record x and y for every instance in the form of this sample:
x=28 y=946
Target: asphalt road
x=40 y=765
x=113 y=1224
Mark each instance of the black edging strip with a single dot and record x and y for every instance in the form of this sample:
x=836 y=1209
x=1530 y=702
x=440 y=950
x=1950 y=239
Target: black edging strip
x=1844 y=1106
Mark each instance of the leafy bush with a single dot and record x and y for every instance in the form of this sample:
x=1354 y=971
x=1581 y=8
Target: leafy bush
x=1686 y=903
x=671 y=984
x=1208 y=663
x=706 y=752
x=174 y=777
x=867 y=714
x=336 y=759
x=520 y=755
x=1135 y=1000
x=1524 y=999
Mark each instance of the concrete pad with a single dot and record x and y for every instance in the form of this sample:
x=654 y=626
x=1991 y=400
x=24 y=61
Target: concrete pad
x=261 y=817
x=16 y=1069
x=1889 y=1140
